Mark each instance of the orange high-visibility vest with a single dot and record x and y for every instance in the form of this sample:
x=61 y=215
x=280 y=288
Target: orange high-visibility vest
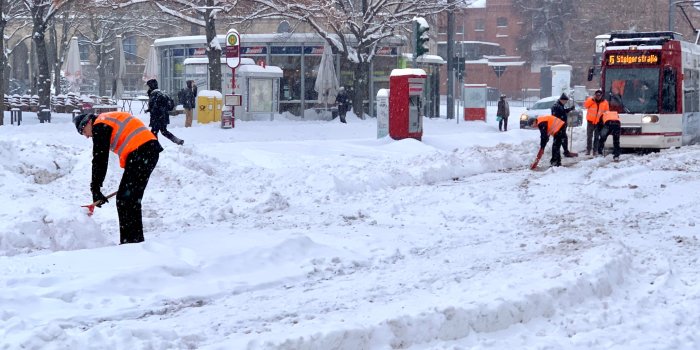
x=595 y=110
x=128 y=133
x=610 y=116
x=554 y=124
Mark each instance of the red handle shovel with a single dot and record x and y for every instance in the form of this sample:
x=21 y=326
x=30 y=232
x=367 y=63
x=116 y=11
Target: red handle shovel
x=91 y=207
x=537 y=159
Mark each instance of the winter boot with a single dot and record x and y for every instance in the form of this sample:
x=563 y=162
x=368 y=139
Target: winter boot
x=588 y=152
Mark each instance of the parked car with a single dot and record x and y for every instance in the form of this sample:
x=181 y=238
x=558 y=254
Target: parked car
x=544 y=107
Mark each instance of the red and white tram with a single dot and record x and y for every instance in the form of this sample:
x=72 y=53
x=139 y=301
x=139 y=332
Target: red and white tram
x=652 y=80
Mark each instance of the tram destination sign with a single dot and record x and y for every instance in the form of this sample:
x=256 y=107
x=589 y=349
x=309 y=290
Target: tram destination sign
x=623 y=59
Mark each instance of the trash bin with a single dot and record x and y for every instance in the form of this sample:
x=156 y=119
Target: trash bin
x=227 y=120
x=44 y=114
x=205 y=109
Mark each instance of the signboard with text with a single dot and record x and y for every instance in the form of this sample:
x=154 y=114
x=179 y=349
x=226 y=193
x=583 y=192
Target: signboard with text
x=232 y=52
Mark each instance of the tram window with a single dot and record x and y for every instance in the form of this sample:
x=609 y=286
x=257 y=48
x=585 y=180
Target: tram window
x=669 y=90
x=691 y=90
x=633 y=90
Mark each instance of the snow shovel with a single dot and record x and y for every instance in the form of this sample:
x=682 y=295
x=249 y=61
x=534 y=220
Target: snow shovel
x=537 y=159
x=91 y=207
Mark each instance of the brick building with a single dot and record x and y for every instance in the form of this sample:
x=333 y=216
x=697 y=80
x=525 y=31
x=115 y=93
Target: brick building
x=486 y=35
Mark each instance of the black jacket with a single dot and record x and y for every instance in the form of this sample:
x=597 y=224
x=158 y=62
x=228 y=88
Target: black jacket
x=561 y=112
x=158 y=107
x=188 y=96
x=343 y=101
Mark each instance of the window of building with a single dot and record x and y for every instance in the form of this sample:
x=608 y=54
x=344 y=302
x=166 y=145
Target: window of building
x=479 y=25
x=501 y=22
x=129 y=45
x=84 y=48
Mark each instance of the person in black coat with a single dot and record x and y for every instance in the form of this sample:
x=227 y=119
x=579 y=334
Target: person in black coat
x=187 y=97
x=158 y=107
x=560 y=111
x=343 y=102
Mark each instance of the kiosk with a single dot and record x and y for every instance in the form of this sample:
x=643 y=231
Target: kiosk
x=406 y=87
x=474 y=99
x=259 y=86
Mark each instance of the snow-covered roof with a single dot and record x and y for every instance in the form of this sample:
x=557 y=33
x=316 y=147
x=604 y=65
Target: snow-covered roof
x=471 y=42
x=262 y=38
x=477 y=4
x=426 y=58
x=407 y=71
x=260 y=71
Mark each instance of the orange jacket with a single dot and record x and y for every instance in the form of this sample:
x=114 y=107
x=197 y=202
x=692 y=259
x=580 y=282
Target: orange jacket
x=554 y=124
x=610 y=116
x=595 y=109
x=128 y=133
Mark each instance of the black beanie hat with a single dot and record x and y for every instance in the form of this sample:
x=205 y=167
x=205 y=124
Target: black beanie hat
x=81 y=120
x=564 y=97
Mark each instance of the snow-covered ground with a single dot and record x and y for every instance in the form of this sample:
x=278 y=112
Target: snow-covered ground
x=317 y=235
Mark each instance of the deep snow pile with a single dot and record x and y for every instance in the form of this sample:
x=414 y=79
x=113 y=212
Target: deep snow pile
x=316 y=235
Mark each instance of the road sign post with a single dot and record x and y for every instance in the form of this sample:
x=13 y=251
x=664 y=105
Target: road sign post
x=232 y=52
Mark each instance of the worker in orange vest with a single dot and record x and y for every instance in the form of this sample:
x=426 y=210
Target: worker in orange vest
x=550 y=125
x=595 y=107
x=138 y=151
x=610 y=126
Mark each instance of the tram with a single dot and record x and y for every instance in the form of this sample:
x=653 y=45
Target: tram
x=652 y=79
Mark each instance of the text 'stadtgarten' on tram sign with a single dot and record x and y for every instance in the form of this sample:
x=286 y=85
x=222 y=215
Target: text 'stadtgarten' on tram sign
x=232 y=52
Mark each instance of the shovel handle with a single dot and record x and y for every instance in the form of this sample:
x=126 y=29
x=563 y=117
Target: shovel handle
x=91 y=207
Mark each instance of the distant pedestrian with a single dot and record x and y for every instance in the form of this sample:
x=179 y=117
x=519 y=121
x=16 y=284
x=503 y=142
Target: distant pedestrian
x=159 y=105
x=610 y=126
x=560 y=111
x=343 y=102
x=188 y=100
x=550 y=125
x=503 y=113
x=595 y=107
x=138 y=151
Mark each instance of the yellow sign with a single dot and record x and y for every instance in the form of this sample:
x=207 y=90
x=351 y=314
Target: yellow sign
x=625 y=59
x=232 y=39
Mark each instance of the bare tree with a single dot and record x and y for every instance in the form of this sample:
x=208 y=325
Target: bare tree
x=61 y=31
x=107 y=21
x=41 y=13
x=202 y=13
x=356 y=28
x=10 y=11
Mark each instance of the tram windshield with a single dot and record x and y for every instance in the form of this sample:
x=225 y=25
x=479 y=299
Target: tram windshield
x=632 y=90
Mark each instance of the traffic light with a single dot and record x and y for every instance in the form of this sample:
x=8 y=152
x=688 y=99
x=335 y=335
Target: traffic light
x=421 y=36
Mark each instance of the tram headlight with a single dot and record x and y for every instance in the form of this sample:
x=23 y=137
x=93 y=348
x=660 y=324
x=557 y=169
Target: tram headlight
x=650 y=118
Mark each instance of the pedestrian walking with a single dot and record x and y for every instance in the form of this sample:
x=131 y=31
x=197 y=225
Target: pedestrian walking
x=610 y=126
x=159 y=105
x=503 y=113
x=188 y=99
x=560 y=111
x=138 y=151
x=595 y=107
x=343 y=102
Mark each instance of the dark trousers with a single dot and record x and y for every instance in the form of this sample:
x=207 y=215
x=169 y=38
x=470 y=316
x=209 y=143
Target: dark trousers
x=564 y=139
x=556 y=144
x=164 y=130
x=592 y=137
x=503 y=123
x=610 y=128
x=139 y=166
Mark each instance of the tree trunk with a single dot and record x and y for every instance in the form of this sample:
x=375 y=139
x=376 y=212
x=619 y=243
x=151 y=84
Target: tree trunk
x=44 y=77
x=55 y=61
x=213 y=51
x=101 y=70
x=360 y=88
x=3 y=75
